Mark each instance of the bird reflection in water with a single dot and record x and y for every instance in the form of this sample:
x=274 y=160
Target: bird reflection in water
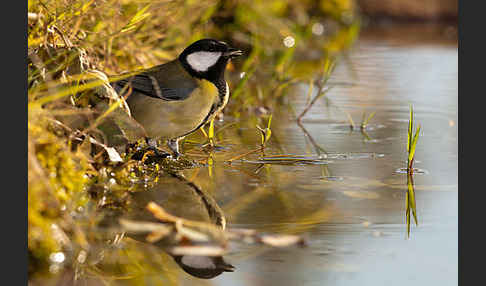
x=184 y=199
x=205 y=267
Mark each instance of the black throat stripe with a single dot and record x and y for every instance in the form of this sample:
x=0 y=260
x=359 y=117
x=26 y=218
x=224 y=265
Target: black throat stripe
x=221 y=85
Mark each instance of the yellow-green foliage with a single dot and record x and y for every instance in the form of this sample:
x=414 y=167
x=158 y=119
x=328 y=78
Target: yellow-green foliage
x=56 y=180
x=339 y=9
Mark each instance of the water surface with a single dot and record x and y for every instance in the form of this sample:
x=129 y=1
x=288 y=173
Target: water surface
x=346 y=195
x=350 y=202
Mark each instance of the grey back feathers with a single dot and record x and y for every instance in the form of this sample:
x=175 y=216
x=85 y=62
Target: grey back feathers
x=168 y=82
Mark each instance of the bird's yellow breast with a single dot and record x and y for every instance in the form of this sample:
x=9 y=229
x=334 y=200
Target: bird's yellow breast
x=209 y=89
x=164 y=119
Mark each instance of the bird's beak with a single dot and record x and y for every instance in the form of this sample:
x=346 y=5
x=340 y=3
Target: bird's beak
x=233 y=53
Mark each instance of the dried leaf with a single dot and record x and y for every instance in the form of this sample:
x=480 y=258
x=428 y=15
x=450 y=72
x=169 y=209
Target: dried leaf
x=112 y=153
x=281 y=240
x=141 y=226
x=191 y=234
x=194 y=230
x=160 y=213
x=156 y=236
x=200 y=250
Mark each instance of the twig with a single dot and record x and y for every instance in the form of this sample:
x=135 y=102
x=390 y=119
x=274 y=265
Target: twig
x=244 y=154
x=316 y=146
x=320 y=93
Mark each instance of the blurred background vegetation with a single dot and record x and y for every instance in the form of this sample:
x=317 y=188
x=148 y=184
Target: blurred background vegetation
x=74 y=46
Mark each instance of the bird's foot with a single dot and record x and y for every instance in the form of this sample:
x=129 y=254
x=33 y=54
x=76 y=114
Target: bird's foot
x=150 y=154
x=159 y=153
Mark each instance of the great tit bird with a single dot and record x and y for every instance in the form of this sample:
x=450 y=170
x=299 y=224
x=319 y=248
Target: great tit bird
x=175 y=99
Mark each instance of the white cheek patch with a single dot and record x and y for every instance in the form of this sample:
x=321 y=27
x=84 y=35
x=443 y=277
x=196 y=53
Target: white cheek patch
x=202 y=61
x=197 y=261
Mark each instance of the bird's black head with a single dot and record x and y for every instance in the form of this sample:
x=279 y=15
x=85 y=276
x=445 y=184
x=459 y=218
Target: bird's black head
x=207 y=59
x=205 y=267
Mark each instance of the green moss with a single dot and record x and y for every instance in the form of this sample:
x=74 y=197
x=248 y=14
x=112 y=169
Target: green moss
x=57 y=181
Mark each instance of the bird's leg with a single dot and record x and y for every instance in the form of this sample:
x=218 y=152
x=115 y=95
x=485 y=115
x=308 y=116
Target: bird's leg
x=174 y=147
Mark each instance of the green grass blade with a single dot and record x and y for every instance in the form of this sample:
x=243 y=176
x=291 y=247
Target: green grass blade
x=269 y=121
x=407 y=213
x=413 y=145
x=211 y=132
x=203 y=131
x=411 y=199
x=268 y=135
x=369 y=117
x=138 y=17
x=410 y=126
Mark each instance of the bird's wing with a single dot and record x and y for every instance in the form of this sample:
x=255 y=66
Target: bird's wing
x=159 y=83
